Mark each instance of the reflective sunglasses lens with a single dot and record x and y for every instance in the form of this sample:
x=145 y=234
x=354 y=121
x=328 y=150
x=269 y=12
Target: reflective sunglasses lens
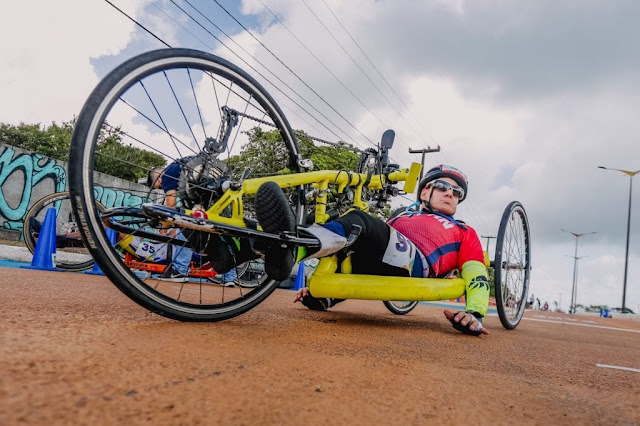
x=458 y=192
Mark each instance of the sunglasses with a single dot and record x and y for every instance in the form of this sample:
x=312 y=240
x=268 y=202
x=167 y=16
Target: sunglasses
x=444 y=186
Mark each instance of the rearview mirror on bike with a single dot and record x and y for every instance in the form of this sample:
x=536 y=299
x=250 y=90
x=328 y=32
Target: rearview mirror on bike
x=387 y=139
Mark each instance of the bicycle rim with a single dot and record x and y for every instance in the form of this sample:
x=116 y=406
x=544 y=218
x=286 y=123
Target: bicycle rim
x=71 y=254
x=400 y=307
x=168 y=103
x=512 y=265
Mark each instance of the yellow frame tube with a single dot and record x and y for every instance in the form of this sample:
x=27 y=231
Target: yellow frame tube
x=325 y=283
x=375 y=287
x=322 y=179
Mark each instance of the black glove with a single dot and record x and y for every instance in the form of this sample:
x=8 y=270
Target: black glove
x=466 y=329
x=316 y=304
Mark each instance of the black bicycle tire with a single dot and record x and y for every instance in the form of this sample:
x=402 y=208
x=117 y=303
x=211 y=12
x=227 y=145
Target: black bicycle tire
x=30 y=242
x=516 y=207
x=81 y=154
x=400 y=311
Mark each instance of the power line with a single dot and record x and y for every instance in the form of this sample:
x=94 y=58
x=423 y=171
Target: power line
x=258 y=72
x=349 y=55
x=138 y=24
x=381 y=76
x=229 y=88
x=288 y=68
x=232 y=51
x=324 y=66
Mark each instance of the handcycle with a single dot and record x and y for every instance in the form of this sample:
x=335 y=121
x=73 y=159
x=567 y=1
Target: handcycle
x=202 y=95
x=72 y=255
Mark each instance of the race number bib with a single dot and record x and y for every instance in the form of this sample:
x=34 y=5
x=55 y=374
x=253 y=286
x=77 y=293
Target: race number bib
x=400 y=251
x=151 y=252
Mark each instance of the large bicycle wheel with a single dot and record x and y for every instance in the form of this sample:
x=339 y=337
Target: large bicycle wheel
x=169 y=104
x=512 y=265
x=71 y=253
x=399 y=307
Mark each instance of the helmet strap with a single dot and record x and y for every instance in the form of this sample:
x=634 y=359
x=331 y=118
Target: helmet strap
x=427 y=202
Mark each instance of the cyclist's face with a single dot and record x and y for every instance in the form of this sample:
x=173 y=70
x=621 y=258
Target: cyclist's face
x=441 y=201
x=156 y=179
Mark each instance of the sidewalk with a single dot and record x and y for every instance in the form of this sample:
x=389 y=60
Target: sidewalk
x=20 y=253
x=15 y=253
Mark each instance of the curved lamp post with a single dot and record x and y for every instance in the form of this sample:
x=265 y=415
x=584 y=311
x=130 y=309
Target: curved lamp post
x=626 y=256
x=574 y=287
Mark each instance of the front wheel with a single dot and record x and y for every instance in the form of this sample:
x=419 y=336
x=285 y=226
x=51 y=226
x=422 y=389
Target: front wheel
x=170 y=108
x=400 y=308
x=512 y=265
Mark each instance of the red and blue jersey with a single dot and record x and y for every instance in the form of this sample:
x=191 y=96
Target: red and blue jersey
x=445 y=244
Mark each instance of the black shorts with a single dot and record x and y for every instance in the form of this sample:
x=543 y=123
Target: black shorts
x=369 y=248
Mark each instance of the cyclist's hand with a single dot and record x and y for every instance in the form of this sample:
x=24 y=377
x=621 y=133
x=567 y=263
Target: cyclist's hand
x=301 y=294
x=465 y=322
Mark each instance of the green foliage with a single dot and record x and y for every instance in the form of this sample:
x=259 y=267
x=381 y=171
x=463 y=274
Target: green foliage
x=51 y=141
x=113 y=156
x=265 y=154
x=328 y=157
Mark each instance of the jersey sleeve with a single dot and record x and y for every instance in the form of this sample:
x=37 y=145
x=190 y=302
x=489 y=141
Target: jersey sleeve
x=470 y=248
x=171 y=177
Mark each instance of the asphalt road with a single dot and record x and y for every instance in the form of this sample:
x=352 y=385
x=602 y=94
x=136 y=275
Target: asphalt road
x=74 y=350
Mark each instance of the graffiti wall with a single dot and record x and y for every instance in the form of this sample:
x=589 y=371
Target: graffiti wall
x=26 y=177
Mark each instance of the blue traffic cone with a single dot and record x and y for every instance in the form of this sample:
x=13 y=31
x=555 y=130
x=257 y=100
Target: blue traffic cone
x=111 y=235
x=44 y=256
x=299 y=282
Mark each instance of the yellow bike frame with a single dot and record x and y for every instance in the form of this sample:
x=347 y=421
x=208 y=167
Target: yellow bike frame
x=319 y=180
x=325 y=282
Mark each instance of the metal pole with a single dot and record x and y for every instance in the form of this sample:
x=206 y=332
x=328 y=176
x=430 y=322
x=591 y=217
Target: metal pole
x=560 y=307
x=626 y=258
x=423 y=152
x=575 y=300
x=574 y=287
x=572 y=307
x=488 y=237
x=631 y=174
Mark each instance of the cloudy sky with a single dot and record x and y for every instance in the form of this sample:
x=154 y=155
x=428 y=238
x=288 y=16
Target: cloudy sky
x=526 y=97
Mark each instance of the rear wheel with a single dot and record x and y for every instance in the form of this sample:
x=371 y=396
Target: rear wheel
x=512 y=265
x=171 y=104
x=400 y=308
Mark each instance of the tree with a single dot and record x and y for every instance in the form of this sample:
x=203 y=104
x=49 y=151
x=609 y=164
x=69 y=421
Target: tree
x=113 y=157
x=341 y=156
x=265 y=154
x=53 y=141
x=124 y=161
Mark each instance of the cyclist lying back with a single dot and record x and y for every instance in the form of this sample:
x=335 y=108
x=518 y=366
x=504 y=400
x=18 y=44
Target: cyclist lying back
x=425 y=242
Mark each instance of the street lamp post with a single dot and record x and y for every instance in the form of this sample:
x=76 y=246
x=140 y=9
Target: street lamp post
x=560 y=307
x=488 y=237
x=572 y=303
x=626 y=256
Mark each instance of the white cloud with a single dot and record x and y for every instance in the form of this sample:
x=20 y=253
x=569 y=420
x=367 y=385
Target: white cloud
x=46 y=73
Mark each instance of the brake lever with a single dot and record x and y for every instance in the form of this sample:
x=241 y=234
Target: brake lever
x=237 y=185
